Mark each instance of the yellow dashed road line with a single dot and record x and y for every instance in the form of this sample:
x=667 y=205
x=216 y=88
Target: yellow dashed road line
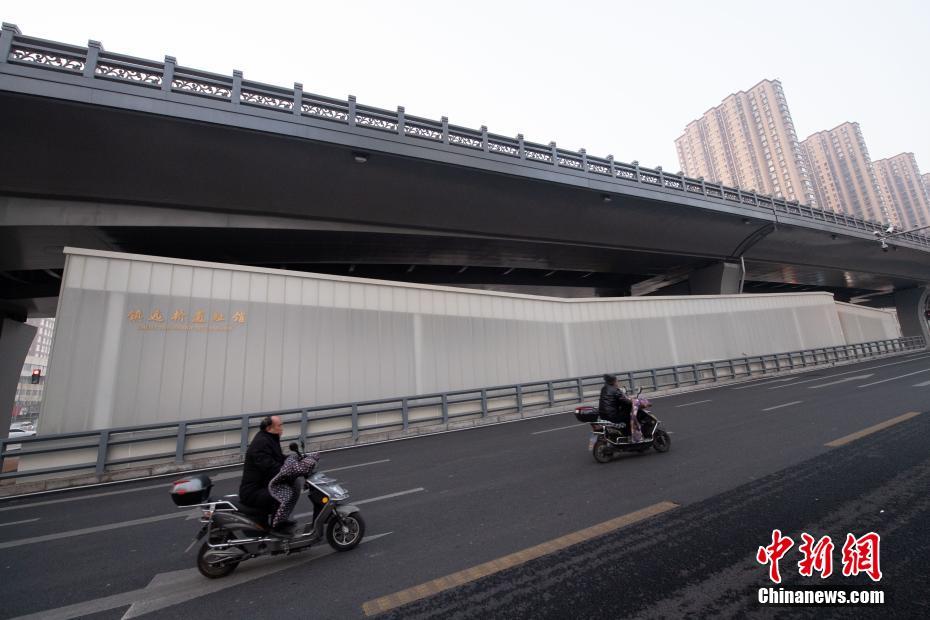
x=842 y=441
x=392 y=601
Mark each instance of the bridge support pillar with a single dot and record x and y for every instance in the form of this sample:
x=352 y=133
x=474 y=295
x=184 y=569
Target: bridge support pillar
x=718 y=279
x=15 y=339
x=911 y=304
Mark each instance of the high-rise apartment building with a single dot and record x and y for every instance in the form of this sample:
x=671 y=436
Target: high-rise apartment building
x=901 y=183
x=749 y=141
x=926 y=178
x=842 y=174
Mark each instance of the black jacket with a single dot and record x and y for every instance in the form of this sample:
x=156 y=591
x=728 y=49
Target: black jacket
x=613 y=404
x=263 y=459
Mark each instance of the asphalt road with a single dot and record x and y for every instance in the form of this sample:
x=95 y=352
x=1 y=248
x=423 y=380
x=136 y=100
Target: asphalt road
x=745 y=460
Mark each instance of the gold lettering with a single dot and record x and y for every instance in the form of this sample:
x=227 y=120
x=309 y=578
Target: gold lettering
x=157 y=316
x=218 y=317
x=135 y=315
x=179 y=316
x=239 y=317
x=199 y=317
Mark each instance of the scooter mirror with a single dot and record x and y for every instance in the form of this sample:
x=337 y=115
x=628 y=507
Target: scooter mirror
x=294 y=447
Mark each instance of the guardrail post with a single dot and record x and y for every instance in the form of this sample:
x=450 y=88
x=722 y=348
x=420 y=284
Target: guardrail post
x=304 y=423
x=298 y=104
x=354 y=421
x=6 y=40
x=445 y=130
x=580 y=385
x=235 y=95
x=405 y=413
x=244 y=435
x=102 y=452
x=675 y=374
x=90 y=63
x=631 y=379
x=555 y=154
x=636 y=174
x=520 y=400
x=167 y=74
x=484 y=138
x=182 y=439
x=655 y=379
x=703 y=186
x=401 y=121
x=713 y=370
x=613 y=166
x=352 y=106
x=484 y=403
x=584 y=159
x=550 y=393
x=3 y=443
x=732 y=369
x=521 y=147
x=445 y=408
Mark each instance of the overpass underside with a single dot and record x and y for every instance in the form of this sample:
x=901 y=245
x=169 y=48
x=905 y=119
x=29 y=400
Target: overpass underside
x=104 y=178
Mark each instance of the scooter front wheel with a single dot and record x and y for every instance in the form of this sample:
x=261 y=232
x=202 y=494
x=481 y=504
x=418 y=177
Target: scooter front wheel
x=602 y=451
x=661 y=441
x=345 y=533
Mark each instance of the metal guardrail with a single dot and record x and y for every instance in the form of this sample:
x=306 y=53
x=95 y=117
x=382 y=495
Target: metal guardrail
x=96 y=451
x=94 y=63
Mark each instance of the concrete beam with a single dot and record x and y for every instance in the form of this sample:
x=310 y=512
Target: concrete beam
x=716 y=279
x=911 y=304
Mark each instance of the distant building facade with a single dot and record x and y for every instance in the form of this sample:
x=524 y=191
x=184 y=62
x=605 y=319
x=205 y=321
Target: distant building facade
x=749 y=141
x=842 y=174
x=29 y=395
x=902 y=185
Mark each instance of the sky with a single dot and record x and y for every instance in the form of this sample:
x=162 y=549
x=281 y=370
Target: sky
x=618 y=77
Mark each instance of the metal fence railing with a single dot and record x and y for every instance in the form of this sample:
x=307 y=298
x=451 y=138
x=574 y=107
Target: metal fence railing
x=94 y=63
x=98 y=451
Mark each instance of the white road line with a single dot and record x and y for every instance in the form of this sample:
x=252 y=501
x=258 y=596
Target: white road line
x=389 y=496
x=838 y=381
x=694 y=403
x=164 y=485
x=910 y=374
x=179 y=586
x=757 y=383
x=924 y=384
x=841 y=374
x=797 y=402
x=92 y=530
x=175 y=515
x=560 y=428
x=368 y=501
x=18 y=522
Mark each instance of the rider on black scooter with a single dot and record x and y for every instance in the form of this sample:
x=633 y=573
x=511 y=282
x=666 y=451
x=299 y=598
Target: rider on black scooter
x=614 y=406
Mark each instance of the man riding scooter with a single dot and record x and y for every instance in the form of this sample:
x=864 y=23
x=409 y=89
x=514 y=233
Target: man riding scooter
x=614 y=406
x=263 y=460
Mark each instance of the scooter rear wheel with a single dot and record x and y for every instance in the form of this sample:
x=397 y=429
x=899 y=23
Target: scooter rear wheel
x=602 y=451
x=213 y=571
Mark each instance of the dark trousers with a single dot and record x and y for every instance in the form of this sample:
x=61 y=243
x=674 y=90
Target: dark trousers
x=259 y=498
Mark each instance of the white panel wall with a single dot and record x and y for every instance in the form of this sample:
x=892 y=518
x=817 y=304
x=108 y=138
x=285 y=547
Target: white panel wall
x=310 y=339
x=861 y=324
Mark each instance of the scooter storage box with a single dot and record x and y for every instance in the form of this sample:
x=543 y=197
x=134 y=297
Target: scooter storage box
x=191 y=490
x=586 y=414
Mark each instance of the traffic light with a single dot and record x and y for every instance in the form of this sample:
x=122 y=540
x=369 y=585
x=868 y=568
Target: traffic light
x=36 y=375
